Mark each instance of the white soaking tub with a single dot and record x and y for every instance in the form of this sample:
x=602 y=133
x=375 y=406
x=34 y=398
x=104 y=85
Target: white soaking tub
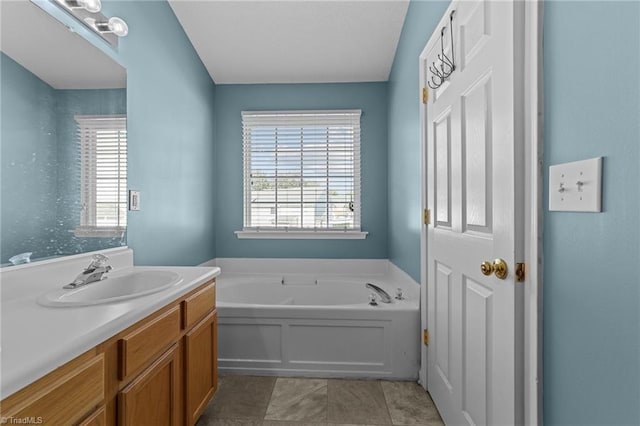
x=317 y=325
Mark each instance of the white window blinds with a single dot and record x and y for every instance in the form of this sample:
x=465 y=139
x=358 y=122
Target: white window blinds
x=103 y=151
x=301 y=170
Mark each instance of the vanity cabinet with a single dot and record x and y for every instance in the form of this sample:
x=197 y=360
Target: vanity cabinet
x=160 y=371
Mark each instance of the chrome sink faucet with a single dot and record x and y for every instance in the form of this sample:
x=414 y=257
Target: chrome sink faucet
x=383 y=294
x=96 y=271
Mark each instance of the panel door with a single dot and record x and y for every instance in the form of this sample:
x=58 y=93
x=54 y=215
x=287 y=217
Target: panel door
x=201 y=361
x=473 y=176
x=153 y=398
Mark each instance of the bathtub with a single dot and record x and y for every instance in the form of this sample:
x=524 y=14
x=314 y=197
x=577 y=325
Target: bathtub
x=316 y=325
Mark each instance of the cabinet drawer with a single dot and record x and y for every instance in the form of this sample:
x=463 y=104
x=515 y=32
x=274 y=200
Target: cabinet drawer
x=139 y=347
x=198 y=305
x=67 y=399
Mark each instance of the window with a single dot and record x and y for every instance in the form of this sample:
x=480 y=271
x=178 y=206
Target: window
x=103 y=177
x=301 y=174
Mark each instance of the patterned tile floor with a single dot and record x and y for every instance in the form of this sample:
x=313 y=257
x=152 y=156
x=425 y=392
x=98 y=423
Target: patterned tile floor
x=271 y=401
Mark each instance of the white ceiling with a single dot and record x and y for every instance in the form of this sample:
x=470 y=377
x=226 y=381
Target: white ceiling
x=48 y=49
x=293 y=41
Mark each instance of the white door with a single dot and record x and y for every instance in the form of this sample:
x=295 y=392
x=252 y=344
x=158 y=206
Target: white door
x=473 y=157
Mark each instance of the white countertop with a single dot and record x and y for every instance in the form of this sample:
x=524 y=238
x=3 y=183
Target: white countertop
x=36 y=339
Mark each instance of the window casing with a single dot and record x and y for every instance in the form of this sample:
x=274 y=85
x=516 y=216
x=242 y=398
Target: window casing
x=103 y=177
x=301 y=174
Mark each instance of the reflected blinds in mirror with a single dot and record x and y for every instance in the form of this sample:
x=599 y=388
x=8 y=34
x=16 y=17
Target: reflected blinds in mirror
x=103 y=150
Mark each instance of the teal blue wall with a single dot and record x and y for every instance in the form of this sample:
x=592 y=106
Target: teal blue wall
x=28 y=162
x=171 y=130
x=591 y=260
x=404 y=136
x=371 y=98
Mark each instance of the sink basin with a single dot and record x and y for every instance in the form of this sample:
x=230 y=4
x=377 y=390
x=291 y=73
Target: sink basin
x=113 y=289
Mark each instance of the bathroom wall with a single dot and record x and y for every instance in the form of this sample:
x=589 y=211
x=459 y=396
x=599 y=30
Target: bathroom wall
x=371 y=98
x=29 y=161
x=404 y=137
x=171 y=130
x=591 y=284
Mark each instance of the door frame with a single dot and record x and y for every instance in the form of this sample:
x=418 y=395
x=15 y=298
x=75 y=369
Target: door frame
x=531 y=119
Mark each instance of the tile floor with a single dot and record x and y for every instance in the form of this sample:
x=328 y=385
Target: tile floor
x=271 y=401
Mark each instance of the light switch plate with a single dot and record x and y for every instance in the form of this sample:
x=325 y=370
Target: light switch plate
x=134 y=200
x=576 y=186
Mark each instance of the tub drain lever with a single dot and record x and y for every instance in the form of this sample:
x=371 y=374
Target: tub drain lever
x=372 y=299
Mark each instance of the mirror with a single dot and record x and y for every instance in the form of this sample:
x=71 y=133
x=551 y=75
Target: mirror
x=51 y=80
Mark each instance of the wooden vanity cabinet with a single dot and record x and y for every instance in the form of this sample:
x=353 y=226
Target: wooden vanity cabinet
x=160 y=371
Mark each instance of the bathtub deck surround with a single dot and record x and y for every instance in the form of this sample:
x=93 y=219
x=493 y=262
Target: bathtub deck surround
x=272 y=401
x=312 y=318
x=96 y=354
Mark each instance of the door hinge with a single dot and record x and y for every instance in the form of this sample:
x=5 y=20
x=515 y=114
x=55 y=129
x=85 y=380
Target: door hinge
x=425 y=95
x=521 y=272
x=426 y=216
x=425 y=337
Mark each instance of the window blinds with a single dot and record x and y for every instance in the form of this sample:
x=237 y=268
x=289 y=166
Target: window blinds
x=103 y=151
x=301 y=170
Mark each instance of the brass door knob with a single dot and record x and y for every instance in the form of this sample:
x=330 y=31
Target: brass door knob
x=498 y=266
x=486 y=267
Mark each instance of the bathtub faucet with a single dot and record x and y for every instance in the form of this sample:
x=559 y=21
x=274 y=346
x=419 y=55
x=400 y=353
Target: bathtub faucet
x=383 y=294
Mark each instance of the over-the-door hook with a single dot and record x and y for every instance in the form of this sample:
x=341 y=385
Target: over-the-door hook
x=446 y=66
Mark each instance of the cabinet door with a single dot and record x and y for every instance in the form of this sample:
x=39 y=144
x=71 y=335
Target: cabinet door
x=153 y=398
x=98 y=418
x=201 y=361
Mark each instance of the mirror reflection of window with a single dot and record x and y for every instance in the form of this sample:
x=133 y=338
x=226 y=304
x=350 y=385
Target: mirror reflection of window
x=103 y=157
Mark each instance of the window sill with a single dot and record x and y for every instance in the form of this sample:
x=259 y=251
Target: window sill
x=302 y=235
x=99 y=232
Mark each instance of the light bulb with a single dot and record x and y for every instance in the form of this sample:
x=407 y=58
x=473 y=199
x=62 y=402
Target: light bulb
x=92 y=6
x=118 y=26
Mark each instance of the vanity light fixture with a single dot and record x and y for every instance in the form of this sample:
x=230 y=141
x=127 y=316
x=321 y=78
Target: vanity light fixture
x=114 y=25
x=92 y=6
